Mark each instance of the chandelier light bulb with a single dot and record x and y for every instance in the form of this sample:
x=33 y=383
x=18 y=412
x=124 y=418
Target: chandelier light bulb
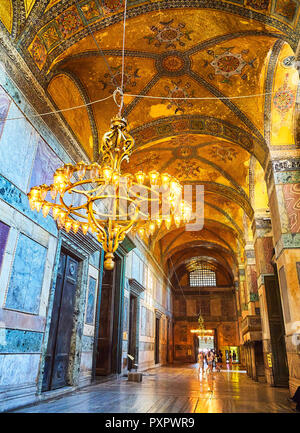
x=75 y=226
x=140 y=177
x=55 y=212
x=107 y=173
x=95 y=171
x=81 y=169
x=84 y=228
x=38 y=205
x=46 y=210
x=153 y=176
x=68 y=225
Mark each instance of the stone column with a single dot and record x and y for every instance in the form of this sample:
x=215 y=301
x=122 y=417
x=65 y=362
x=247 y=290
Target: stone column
x=251 y=280
x=282 y=178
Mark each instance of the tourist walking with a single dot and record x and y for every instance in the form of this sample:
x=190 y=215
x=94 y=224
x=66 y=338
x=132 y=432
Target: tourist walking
x=201 y=359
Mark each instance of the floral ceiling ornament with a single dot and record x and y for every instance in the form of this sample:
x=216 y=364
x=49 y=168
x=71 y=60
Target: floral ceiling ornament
x=149 y=161
x=181 y=140
x=179 y=91
x=168 y=35
x=228 y=64
x=114 y=81
x=69 y=22
x=223 y=153
x=112 y=5
x=258 y=4
x=187 y=169
x=284 y=98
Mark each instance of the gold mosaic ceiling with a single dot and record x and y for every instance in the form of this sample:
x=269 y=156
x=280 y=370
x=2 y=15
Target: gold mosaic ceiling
x=208 y=49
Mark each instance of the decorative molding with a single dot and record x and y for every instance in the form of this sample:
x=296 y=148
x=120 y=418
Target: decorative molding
x=134 y=11
x=135 y=287
x=158 y=313
x=286 y=241
x=280 y=165
x=269 y=89
x=254 y=297
x=86 y=243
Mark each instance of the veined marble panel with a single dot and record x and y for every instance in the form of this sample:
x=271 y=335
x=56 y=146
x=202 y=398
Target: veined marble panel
x=4 y=230
x=50 y=259
x=27 y=276
x=17 y=149
x=90 y=308
x=19 y=341
x=87 y=343
x=18 y=369
x=86 y=361
x=44 y=166
x=5 y=102
x=13 y=196
x=95 y=259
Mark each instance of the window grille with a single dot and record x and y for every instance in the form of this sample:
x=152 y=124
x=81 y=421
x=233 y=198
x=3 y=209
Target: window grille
x=204 y=275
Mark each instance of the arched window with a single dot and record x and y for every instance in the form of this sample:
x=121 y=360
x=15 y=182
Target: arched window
x=203 y=275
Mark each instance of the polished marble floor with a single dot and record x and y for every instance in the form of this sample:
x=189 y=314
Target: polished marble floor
x=173 y=389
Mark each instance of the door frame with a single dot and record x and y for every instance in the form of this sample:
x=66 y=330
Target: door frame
x=117 y=335
x=80 y=247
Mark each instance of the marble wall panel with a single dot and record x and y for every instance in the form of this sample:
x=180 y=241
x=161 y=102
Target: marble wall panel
x=17 y=149
x=89 y=318
x=5 y=102
x=87 y=343
x=86 y=362
x=284 y=294
x=20 y=341
x=291 y=194
x=18 y=200
x=95 y=259
x=18 y=369
x=125 y=314
x=27 y=276
x=4 y=229
x=44 y=166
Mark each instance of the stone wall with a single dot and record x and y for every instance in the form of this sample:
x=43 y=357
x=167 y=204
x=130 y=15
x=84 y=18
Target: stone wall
x=219 y=313
x=29 y=250
x=154 y=301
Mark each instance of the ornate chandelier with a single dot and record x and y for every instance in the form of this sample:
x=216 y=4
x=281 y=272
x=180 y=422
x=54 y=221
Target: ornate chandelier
x=99 y=198
x=201 y=331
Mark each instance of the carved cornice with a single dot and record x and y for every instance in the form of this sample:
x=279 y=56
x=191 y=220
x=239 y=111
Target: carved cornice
x=86 y=243
x=135 y=287
x=158 y=313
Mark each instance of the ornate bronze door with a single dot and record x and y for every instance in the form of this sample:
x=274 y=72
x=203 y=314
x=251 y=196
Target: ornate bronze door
x=132 y=332
x=280 y=366
x=157 y=323
x=58 y=350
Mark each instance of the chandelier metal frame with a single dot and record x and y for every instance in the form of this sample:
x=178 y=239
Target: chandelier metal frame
x=111 y=203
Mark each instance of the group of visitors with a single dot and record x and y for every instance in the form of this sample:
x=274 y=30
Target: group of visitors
x=213 y=360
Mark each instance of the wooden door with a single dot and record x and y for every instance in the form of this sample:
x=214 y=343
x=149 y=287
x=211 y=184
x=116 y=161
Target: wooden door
x=109 y=338
x=104 y=340
x=277 y=332
x=157 y=321
x=61 y=327
x=132 y=332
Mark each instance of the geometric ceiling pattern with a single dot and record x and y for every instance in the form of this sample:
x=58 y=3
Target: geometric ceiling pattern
x=235 y=55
